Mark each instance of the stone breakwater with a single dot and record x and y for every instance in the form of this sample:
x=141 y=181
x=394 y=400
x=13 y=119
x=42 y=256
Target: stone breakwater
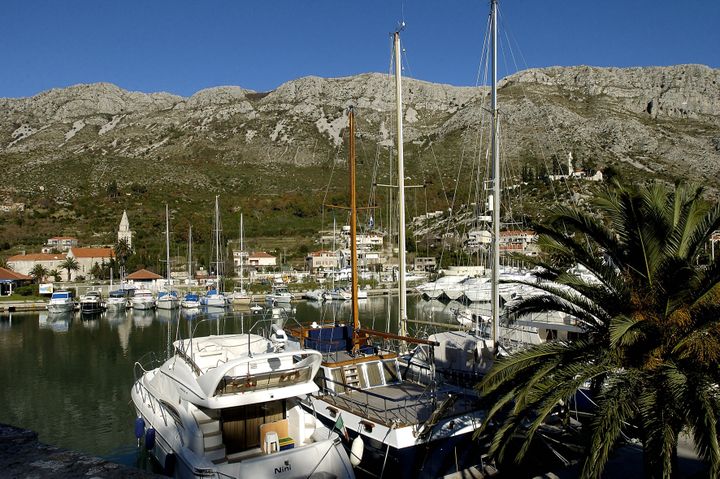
x=23 y=456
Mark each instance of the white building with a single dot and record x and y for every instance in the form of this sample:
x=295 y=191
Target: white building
x=261 y=259
x=24 y=263
x=88 y=257
x=60 y=243
x=321 y=260
x=124 y=232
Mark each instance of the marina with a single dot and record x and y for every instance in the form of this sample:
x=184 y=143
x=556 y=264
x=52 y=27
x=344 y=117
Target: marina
x=78 y=396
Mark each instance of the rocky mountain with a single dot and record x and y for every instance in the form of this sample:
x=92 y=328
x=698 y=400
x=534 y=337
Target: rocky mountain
x=278 y=149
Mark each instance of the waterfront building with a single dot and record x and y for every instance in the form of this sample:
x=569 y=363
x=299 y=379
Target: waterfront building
x=144 y=279
x=9 y=280
x=24 y=263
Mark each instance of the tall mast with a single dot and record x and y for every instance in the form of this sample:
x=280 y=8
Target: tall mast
x=495 y=203
x=402 y=313
x=167 y=243
x=217 y=246
x=242 y=287
x=190 y=256
x=353 y=230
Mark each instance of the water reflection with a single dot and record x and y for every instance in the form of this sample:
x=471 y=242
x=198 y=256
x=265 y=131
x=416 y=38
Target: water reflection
x=69 y=378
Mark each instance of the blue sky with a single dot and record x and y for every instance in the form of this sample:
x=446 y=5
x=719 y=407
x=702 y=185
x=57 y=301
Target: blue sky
x=182 y=46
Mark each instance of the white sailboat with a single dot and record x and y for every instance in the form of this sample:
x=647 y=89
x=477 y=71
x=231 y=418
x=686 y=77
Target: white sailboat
x=190 y=300
x=167 y=299
x=239 y=295
x=215 y=298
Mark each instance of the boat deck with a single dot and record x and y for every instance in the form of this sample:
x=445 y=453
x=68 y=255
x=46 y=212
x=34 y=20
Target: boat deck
x=401 y=404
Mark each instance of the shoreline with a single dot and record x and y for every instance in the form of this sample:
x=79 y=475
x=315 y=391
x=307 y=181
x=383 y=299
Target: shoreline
x=23 y=455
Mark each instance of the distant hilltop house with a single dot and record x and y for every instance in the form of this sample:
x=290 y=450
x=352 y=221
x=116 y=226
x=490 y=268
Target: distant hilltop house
x=10 y=207
x=124 y=231
x=576 y=172
x=9 y=280
x=60 y=243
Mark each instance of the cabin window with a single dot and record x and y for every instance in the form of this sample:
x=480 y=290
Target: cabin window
x=391 y=372
x=374 y=374
x=255 y=382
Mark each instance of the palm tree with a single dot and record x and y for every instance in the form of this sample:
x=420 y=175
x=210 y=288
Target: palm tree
x=122 y=253
x=70 y=264
x=55 y=274
x=39 y=272
x=652 y=329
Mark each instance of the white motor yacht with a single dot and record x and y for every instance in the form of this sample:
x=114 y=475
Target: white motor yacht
x=91 y=303
x=228 y=406
x=61 y=301
x=143 y=299
x=279 y=294
x=117 y=300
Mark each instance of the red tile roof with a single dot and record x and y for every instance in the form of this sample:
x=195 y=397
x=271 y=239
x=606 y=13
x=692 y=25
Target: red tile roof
x=12 y=275
x=38 y=257
x=93 y=252
x=261 y=254
x=143 y=274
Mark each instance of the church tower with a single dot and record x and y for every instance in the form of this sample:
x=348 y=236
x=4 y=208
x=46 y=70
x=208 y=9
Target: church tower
x=124 y=232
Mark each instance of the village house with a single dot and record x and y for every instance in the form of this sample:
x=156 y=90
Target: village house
x=321 y=260
x=60 y=243
x=24 y=263
x=261 y=260
x=88 y=257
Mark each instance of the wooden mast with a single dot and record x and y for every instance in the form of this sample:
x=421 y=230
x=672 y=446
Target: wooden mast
x=357 y=340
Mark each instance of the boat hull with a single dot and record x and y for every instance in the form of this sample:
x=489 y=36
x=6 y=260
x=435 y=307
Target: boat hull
x=59 y=308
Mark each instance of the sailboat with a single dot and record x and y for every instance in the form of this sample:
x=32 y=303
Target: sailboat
x=215 y=298
x=167 y=299
x=239 y=295
x=191 y=300
x=396 y=425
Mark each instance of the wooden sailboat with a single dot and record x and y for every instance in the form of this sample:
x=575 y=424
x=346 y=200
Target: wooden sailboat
x=396 y=424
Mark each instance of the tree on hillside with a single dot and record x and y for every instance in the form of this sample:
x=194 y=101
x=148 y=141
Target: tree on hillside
x=122 y=253
x=70 y=264
x=39 y=272
x=96 y=271
x=652 y=330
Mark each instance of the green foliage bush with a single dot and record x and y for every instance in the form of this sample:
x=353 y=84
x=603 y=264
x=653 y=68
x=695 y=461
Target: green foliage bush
x=29 y=290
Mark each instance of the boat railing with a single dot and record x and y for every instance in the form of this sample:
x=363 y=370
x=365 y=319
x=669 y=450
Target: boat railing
x=389 y=410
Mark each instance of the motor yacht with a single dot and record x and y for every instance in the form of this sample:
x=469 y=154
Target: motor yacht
x=229 y=406
x=143 y=299
x=117 y=300
x=91 y=303
x=61 y=301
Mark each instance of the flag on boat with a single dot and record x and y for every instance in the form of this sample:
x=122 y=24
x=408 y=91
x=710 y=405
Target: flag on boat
x=371 y=222
x=340 y=426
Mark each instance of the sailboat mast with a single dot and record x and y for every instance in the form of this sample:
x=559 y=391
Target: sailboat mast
x=217 y=246
x=353 y=228
x=190 y=256
x=402 y=290
x=495 y=246
x=242 y=287
x=167 y=243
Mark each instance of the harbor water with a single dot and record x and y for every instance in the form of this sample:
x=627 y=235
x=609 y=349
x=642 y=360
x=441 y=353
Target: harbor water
x=69 y=378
